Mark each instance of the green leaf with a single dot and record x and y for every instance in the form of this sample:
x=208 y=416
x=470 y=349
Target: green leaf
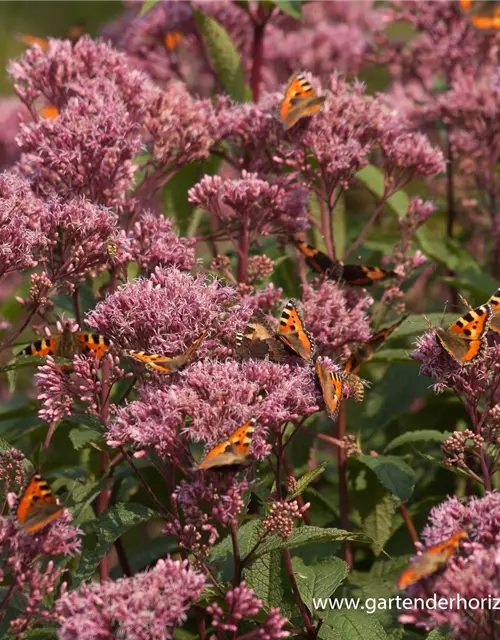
x=307 y=534
x=82 y=437
x=223 y=56
x=378 y=523
x=40 y=633
x=437 y=634
x=410 y=437
x=89 y=421
x=319 y=580
x=306 y=479
x=351 y=625
x=292 y=8
x=148 y=4
x=20 y=362
x=393 y=473
x=108 y=527
x=373 y=179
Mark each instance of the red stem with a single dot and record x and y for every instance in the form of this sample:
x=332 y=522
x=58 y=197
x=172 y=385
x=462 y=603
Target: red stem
x=260 y=22
x=236 y=554
x=342 y=469
x=243 y=252
x=18 y=332
x=409 y=524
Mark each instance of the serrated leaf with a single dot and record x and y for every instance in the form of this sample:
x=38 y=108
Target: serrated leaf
x=393 y=473
x=148 y=4
x=306 y=479
x=292 y=8
x=20 y=362
x=82 y=437
x=223 y=56
x=373 y=179
x=378 y=523
x=108 y=527
x=319 y=580
x=89 y=421
x=307 y=534
x=353 y=625
x=425 y=435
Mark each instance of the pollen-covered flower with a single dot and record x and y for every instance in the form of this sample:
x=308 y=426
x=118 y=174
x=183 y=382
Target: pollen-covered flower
x=148 y=606
x=473 y=573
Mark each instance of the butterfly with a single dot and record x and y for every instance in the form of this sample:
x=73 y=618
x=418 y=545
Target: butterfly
x=172 y=39
x=355 y=275
x=36 y=505
x=367 y=350
x=464 y=340
x=49 y=112
x=332 y=386
x=483 y=14
x=494 y=304
x=232 y=454
x=431 y=560
x=292 y=333
x=68 y=344
x=300 y=101
x=164 y=363
x=259 y=340
x=74 y=33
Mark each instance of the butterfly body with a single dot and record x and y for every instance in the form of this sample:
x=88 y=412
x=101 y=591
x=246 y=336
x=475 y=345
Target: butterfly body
x=431 y=560
x=332 y=387
x=68 y=344
x=465 y=339
x=166 y=364
x=355 y=275
x=231 y=454
x=36 y=506
x=300 y=101
x=366 y=351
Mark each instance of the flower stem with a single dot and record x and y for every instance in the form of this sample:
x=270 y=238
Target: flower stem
x=243 y=248
x=409 y=523
x=18 y=331
x=303 y=610
x=236 y=553
x=260 y=21
x=342 y=469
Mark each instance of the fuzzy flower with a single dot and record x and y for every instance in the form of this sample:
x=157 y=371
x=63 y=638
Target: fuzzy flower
x=30 y=560
x=182 y=129
x=253 y=203
x=157 y=244
x=336 y=316
x=473 y=573
x=86 y=151
x=148 y=606
x=166 y=312
x=12 y=470
x=281 y=517
x=11 y=112
x=22 y=215
x=241 y=602
x=86 y=68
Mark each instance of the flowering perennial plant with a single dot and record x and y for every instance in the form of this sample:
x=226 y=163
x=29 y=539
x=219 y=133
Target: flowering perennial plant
x=205 y=261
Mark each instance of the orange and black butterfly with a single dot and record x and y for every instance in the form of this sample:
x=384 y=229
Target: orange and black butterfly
x=465 y=339
x=483 y=14
x=36 y=506
x=355 y=275
x=74 y=33
x=232 y=454
x=431 y=560
x=68 y=344
x=494 y=304
x=259 y=340
x=166 y=364
x=366 y=351
x=300 y=101
x=292 y=333
x=333 y=385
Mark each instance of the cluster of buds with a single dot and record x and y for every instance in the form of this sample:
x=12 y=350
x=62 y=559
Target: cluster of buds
x=280 y=519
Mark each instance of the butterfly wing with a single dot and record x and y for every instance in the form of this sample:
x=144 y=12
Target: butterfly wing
x=367 y=350
x=300 y=101
x=259 y=341
x=431 y=560
x=494 y=303
x=464 y=339
x=319 y=261
x=332 y=387
x=44 y=347
x=292 y=333
x=231 y=454
x=37 y=505
x=94 y=343
x=357 y=275
x=31 y=41
x=164 y=363
x=49 y=112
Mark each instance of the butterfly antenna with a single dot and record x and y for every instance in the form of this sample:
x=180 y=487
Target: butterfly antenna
x=465 y=302
x=430 y=325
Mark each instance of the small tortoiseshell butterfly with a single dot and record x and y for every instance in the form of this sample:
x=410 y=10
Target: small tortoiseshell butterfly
x=36 y=505
x=292 y=333
x=232 y=454
x=483 y=14
x=259 y=340
x=68 y=344
x=332 y=387
x=164 y=363
x=172 y=39
x=366 y=351
x=355 y=275
x=431 y=560
x=494 y=304
x=300 y=101
x=464 y=340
